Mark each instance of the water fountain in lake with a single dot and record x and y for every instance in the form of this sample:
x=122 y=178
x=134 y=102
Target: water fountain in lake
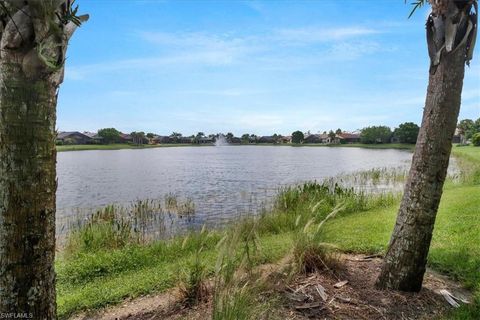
x=220 y=141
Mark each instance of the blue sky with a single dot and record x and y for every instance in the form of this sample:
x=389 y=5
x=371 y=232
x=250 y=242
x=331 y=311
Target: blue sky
x=249 y=67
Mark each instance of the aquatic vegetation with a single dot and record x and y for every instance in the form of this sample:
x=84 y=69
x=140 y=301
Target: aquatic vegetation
x=116 y=226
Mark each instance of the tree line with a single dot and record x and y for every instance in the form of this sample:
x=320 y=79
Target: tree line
x=468 y=129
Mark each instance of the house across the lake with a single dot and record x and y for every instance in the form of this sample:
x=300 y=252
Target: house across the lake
x=313 y=138
x=459 y=136
x=162 y=139
x=350 y=137
x=94 y=136
x=323 y=138
x=73 y=137
x=125 y=138
x=266 y=139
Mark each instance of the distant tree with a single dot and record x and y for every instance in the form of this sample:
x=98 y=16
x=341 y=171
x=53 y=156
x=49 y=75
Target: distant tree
x=254 y=138
x=198 y=137
x=407 y=132
x=467 y=128
x=297 y=137
x=109 y=135
x=138 y=137
x=476 y=139
x=150 y=135
x=229 y=137
x=176 y=136
x=339 y=131
x=375 y=134
x=277 y=138
x=245 y=138
x=331 y=134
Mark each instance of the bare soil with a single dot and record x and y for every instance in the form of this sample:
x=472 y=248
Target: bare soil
x=312 y=296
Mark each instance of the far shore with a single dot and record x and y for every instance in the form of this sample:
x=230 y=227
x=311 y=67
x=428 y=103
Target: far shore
x=84 y=147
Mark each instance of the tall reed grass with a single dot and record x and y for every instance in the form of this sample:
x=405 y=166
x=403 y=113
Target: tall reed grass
x=116 y=226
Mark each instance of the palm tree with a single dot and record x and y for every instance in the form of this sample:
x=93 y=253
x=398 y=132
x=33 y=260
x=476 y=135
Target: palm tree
x=176 y=136
x=34 y=38
x=451 y=33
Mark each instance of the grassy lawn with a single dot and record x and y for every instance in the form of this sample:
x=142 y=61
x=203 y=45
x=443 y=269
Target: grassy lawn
x=90 y=280
x=103 y=278
x=455 y=248
x=402 y=146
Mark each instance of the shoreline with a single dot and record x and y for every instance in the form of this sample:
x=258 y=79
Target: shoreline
x=86 y=147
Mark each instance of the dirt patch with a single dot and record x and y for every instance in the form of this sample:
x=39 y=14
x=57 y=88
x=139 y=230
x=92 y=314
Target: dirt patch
x=347 y=294
x=326 y=296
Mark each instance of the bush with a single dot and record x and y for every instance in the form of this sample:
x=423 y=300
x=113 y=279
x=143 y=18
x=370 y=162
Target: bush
x=193 y=285
x=309 y=253
x=476 y=139
x=297 y=137
x=407 y=132
x=375 y=134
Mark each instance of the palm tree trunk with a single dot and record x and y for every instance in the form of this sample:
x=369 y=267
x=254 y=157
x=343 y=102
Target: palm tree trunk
x=27 y=193
x=29 y=80
x=406 y=258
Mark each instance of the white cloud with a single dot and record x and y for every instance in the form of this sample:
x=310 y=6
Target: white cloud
x=187 y=49
x=310 y=35
x=229 y=92
x=353 y=50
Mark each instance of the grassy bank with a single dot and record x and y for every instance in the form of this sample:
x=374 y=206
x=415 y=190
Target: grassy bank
x=400 y=146
x=92 y=277
x=84 y=147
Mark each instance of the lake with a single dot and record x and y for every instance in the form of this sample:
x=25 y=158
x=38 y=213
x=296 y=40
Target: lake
x=223 y=182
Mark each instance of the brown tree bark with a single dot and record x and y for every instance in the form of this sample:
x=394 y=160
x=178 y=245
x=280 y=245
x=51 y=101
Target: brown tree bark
x=33 y=44
x=405 y=261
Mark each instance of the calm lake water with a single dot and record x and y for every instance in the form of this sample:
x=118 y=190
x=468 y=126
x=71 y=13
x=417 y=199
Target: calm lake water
x=222 y=181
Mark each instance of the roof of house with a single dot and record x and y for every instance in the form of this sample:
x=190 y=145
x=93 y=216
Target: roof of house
x=92 y=135
x=66 y=134
x=314 y=136
x=350 y=135
x=125 y=136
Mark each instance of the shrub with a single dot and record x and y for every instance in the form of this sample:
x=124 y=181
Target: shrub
x=236 y=287
x=309 y=253
x=376 y=134
x=407 y=132
x=476 y=139
x=297 y=137
x=194 y=286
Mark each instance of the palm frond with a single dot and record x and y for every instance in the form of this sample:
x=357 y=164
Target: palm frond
x=416 y=5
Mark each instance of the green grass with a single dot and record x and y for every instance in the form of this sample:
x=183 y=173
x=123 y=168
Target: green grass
x=90 y=280
x=401 y=146
x=455 y=246
x=118 y=146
